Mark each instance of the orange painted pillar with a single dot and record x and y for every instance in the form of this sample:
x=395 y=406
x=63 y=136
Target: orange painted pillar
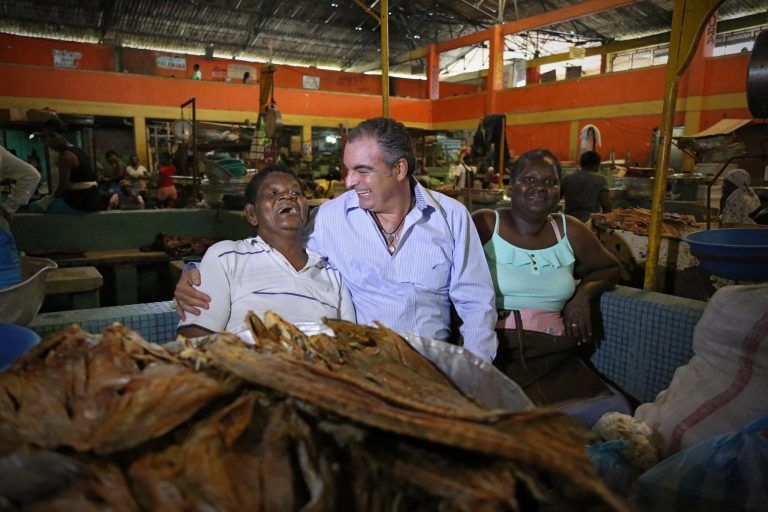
x=495 y=79
x=532 y=75
x=693 y=84
x=604 y=63
x=433 y=73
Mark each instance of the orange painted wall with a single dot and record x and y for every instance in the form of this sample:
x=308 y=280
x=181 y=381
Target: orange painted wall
x=458 y=107
x=551 y=136
x=98 y=57
x=83 y=85
x=627 y=86
x=726 y=74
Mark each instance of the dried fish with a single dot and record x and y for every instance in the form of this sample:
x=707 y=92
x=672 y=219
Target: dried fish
x=354 y=421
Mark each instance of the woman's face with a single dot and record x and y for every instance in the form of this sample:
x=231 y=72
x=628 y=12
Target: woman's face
x=536 y=189
x=280 y=206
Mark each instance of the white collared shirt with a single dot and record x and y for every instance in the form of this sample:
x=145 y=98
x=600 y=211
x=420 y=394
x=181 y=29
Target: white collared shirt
x=249 y=275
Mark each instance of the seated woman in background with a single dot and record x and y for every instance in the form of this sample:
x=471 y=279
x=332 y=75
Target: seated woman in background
x=126 y=198
x=273 y=270
x=77 y=190
x=738 y=199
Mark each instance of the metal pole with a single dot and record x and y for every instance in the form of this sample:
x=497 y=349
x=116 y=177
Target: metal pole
x=688 y=21
x=502 y=138
x=385 y=58
x=195 y=183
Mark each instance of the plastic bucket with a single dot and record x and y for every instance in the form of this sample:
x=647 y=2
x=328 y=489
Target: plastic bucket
x=15 y=341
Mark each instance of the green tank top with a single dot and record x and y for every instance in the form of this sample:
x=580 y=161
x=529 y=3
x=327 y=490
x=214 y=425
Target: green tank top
x=531 y=278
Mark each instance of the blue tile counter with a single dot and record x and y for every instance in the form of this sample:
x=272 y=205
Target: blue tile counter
x=155 y=321
x=647 y=335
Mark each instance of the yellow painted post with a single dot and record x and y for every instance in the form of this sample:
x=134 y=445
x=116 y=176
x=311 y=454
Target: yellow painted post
x=574 y=143
x=385 y=58
x=140 y=139
x=688 y=21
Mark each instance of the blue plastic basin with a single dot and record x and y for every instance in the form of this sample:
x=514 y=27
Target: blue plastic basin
x=15 y=341
x=738 y=254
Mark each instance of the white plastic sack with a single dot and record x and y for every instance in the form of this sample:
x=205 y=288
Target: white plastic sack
x=724 y=385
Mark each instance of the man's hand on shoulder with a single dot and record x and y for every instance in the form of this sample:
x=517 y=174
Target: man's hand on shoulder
x=187 y=298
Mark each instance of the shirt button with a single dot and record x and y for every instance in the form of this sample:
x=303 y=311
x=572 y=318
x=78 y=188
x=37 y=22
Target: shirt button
x=535 y=268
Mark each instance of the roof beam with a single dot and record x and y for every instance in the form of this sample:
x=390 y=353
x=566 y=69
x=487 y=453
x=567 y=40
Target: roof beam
x=545 y=19
x=753 y=20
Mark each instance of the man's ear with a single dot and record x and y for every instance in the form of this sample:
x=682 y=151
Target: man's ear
x=250 y=214
x=401 y=169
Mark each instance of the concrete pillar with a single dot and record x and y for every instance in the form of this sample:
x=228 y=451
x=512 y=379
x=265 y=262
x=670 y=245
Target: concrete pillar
x=495 y=79
x=433 y=72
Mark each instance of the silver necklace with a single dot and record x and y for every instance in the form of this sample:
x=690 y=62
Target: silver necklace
x=391 y=238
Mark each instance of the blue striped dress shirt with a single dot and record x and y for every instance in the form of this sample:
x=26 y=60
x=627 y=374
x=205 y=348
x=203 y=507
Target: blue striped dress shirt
x=439 y=260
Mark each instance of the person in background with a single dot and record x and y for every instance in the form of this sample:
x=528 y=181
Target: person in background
x=25 y=179
x=166 y=190
x=247 y=77
x=738 y=199
x=537 y=257
x=138 y=174
x=491 y=179
x=115 y=171
x=197 y=74
x=77 y=189
x=585 y=191
x=407 y=253
x=34 y=159
x=126 y=198
x=271 y=270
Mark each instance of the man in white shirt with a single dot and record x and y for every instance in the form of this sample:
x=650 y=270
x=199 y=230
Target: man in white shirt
x=272 y=270
x=26 y=178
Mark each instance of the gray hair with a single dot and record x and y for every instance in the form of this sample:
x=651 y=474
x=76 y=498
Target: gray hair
x=392 y=138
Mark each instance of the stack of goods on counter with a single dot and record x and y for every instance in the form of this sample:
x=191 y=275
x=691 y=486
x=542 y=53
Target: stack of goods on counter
x=638 y=220
x=358 y=421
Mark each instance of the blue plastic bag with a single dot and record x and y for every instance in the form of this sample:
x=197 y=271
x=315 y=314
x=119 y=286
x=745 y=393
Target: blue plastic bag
x=617 y=473
x=724 y=473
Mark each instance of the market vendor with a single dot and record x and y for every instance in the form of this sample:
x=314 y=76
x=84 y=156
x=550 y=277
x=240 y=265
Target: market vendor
x=272 y=270
x=77 y=190
x=738 y=199
x=585 y=191
x=406 y=253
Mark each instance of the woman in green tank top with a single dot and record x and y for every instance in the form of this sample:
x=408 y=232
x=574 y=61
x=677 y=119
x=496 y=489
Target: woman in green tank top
x=536 y=257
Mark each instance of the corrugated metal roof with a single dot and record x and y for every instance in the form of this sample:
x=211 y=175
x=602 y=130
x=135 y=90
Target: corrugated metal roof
x=331 y=33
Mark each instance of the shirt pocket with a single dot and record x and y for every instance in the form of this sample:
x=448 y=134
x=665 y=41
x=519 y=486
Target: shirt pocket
x=427 y=267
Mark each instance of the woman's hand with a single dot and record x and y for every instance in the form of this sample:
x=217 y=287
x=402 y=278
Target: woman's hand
x=188 y=300
x=576 y=316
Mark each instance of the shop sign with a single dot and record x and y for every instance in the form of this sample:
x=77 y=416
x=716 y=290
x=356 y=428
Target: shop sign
x=169 y=62
x=310 y=82
x=66 y=59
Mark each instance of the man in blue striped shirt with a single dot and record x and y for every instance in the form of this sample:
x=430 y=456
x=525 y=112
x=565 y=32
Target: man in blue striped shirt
x=406 y=253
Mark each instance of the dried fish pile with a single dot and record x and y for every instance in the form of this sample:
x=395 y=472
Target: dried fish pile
x=358 y=421
x=638 y=220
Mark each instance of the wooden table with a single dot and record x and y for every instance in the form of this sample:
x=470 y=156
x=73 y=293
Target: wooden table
x=81 y=284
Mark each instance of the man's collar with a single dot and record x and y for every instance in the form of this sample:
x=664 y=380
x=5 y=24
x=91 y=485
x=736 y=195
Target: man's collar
x=313 y=258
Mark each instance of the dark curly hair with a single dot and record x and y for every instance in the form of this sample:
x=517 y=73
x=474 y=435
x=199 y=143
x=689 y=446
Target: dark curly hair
x=543 y=155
